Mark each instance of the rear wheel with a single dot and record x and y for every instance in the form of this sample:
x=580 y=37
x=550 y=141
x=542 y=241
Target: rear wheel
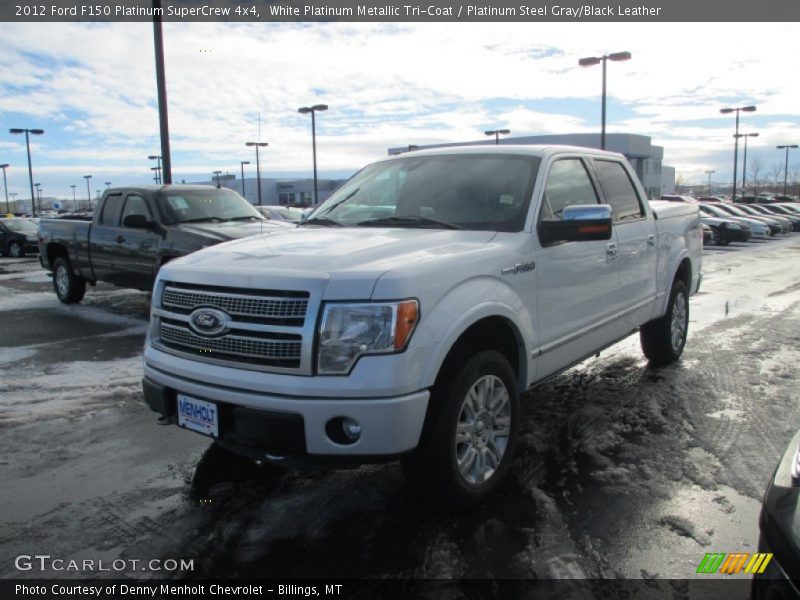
x=16 y=250
x=663 y=340
x=716 y=238
x=69 y=288
x=470 y=433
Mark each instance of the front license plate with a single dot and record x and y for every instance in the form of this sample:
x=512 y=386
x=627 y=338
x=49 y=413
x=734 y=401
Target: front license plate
x=198 y=415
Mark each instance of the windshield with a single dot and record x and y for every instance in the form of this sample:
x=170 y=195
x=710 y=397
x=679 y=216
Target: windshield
x=468 y=191
x=23 y=226
x=186 y=206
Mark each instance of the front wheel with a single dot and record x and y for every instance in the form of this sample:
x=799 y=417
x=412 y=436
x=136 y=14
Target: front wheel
x=663 y=339
x=69 y=288
x=16 y=250
x=470 y=433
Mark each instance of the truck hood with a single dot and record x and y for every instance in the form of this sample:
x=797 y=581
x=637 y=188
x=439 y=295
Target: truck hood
x=229 y=230
x=348 y=260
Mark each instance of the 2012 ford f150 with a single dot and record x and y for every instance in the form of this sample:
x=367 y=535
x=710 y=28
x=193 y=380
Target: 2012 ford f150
x=408 y=313
x=137 y=229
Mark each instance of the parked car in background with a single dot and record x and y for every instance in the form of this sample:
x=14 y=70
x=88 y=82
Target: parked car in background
x=773 y=210
x=779 y=530
x=725 y=231
x=18 y=236
x=775 y=226
x=136 y=230
x=713 y=199
x=758 y=229
x=276 y=212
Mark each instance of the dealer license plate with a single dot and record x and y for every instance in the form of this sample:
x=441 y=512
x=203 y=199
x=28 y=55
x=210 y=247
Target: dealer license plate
x=198 y=415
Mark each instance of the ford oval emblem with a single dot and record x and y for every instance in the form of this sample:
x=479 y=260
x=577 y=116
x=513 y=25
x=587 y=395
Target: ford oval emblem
x=208 y=321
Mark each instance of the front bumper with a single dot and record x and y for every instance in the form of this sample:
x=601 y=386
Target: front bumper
x=261 y=424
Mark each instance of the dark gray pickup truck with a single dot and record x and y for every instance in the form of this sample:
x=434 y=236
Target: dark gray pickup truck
x=137 y=229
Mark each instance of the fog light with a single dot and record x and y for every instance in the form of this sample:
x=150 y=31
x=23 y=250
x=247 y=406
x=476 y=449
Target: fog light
x=352 y=429
x=343 y=430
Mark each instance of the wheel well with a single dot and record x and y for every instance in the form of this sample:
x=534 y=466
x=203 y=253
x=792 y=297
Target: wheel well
x=490 y=333
x=684 y=273
x=54 y=251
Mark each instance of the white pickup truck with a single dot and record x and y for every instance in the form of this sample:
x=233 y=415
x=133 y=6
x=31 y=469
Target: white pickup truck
x=408 y=314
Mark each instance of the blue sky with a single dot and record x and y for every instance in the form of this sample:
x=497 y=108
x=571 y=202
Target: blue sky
x=91 y=87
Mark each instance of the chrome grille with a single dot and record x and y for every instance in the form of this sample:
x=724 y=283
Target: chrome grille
x=265 y=351
x=246 y=305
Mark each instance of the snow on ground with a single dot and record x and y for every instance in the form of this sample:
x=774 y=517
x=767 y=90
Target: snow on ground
x=622 y=470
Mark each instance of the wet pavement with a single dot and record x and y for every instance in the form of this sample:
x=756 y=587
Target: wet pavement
x=622 y=470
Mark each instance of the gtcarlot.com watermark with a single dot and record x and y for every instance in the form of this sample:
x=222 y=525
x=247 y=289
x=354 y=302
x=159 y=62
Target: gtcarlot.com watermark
x=46 y=562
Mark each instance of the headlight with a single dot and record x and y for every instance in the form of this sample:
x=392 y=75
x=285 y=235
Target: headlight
x=349 y=331
x=734 y=226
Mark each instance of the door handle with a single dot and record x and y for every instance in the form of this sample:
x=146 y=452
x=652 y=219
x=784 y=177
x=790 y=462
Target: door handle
x=651 y=240
x=611 y=250
x=120 y=239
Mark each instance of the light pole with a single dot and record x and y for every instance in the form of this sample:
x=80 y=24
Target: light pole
x=744 y=158
x=242 y=163
x=108 y=184
x=726 y=111
x=786 y=164
x=217 y=173
x=497 y=133
x=258 y=165
x=709 y=180
x=74 y=201
x=157 y=168
x=88 y=191
x=593 y=60
x=4 y=166
x=313 y=109
x=30 y=169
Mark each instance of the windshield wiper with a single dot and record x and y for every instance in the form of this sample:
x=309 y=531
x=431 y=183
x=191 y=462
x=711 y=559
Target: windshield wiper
x=246 y=218
x=409 y=221
x=322 y=221
x=201 y=219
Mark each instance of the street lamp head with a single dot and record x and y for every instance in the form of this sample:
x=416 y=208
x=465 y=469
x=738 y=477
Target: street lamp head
x=320 y=107
x=153 y=157
x=16 y=130
x=304 y=110
x=589 y=61
x=259 y=144
x=726 y=111
x=4 y=166
x=788 y=146
x=36 y=131
x=749 y=108
x=504 y=131
x=245 y=162
x=620 y=56
x=87 y=176
x=753 y=134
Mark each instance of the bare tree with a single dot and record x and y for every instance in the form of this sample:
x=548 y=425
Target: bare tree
x=794 y=177
x=776 y=176
x=680 y=183
x=756 y=167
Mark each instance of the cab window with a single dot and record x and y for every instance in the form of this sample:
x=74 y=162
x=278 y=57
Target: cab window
x=619 y=190
x=568 y=184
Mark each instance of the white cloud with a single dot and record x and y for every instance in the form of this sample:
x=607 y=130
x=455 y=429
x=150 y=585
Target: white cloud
x=386 y=84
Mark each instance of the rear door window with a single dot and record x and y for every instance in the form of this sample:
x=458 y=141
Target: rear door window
x=619 y=190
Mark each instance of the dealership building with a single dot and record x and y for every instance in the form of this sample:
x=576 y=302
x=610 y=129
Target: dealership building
x=644 y=157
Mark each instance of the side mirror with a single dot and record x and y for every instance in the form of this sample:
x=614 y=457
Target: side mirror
x=579 y=223
x=136 y=222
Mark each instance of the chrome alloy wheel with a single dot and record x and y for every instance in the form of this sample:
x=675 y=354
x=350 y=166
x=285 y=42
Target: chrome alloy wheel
x=16 y=250
x=678 y=324
x=483 y=430
x=62 y=280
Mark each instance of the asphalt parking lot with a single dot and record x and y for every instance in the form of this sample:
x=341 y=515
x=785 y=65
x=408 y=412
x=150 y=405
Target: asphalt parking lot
x=622 y=471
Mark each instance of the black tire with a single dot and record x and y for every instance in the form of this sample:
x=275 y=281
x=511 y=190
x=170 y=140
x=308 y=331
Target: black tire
x=663 y=340
x=16 y=250
x=69 y=288
x=488 y=432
